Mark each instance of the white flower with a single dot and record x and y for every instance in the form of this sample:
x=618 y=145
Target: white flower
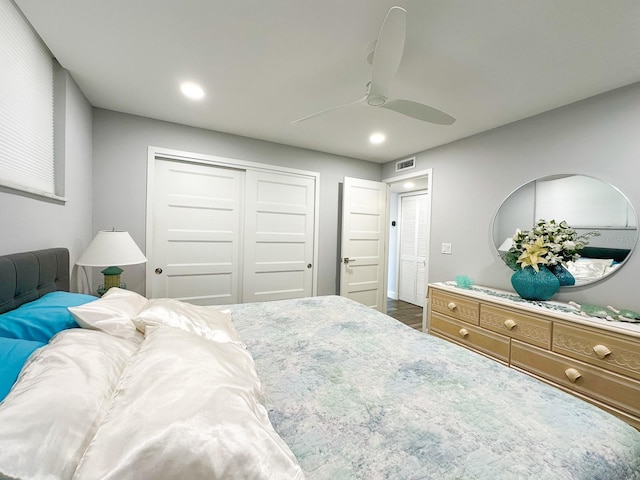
x=555 y=243
x=553 y=259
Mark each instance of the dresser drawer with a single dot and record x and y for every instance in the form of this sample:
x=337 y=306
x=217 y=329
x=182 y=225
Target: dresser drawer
x=521 y=326
x=461 y=332
x=620 y=392
x=597 y=348
x=455 y=306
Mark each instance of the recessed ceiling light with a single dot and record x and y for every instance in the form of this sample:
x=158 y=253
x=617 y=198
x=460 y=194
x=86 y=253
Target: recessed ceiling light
x=377 y=138
x=192 y=90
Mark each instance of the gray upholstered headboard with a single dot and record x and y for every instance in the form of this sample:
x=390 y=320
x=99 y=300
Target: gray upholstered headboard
x=27 y=276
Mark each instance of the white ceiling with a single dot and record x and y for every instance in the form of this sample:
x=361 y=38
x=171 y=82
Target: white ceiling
x=264 y=64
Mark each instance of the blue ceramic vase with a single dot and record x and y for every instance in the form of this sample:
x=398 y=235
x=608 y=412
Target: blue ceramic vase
x=532 y=285
x=563 y=275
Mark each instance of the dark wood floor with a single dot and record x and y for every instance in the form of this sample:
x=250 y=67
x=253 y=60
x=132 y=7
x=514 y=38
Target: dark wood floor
x=407 y=313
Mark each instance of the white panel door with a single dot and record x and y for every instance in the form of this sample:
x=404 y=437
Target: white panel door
x=413 y=248
x=364 y=230
x=279 y=236
x=196 y=233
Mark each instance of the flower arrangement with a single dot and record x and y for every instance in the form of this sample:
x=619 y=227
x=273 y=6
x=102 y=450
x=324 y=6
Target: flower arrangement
x=547 y=243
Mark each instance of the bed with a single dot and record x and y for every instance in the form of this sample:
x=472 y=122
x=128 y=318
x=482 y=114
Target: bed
x=316 y=388
x=596 y=262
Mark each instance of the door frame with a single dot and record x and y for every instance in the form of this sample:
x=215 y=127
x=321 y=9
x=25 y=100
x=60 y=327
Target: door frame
x=154 y=153
x=428 y=173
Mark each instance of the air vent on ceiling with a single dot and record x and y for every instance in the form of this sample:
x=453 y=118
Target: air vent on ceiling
x=406 y=164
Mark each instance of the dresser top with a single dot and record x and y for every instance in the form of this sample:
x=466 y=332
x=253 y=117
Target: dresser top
x=559 y=310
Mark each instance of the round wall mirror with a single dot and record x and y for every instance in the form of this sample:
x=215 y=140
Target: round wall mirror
x=586 y=204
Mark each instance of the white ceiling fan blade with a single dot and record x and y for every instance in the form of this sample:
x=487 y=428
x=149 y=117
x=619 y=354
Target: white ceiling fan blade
x=419 y=111
x=388 y=52
x=322 y=112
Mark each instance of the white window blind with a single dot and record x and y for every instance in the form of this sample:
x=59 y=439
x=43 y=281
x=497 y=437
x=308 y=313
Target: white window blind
x=26 y=106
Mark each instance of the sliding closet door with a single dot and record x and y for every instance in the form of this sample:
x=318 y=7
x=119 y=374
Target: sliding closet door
x=413 y=248
x=196 y=233
x=279 y=236
x=223 y=231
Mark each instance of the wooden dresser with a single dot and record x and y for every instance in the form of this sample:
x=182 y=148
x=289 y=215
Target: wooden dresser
x=596 y=360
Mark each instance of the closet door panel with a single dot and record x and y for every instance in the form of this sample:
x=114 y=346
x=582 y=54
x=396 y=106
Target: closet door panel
x=413 y=241
x=279 y=236
x=196 y=235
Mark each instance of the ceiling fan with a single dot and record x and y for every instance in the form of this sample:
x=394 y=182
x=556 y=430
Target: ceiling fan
x=386 y=60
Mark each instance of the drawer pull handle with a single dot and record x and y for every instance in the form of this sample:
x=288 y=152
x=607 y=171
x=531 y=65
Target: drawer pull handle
x=601 y=351
x=464 y=332
x=510 y=324
x=452 y=306
x=572 y=374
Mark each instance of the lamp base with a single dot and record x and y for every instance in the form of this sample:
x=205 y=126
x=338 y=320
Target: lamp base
x=111 y=279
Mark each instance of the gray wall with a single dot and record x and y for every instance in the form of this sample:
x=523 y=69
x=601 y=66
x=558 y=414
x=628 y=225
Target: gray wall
x=120 y=144
x=471 y=177
x=31 y=223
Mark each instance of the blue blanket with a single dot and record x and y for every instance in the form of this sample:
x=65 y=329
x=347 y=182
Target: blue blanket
x=358 y=395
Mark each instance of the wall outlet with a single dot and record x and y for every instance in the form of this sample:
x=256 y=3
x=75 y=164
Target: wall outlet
x=446 y=248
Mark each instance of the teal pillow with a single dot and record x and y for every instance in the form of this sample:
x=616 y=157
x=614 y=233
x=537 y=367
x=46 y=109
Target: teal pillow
x=13 y=355
x=43 y=318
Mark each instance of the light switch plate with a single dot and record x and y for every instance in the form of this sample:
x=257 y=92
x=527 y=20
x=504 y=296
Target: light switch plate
x=446 y=248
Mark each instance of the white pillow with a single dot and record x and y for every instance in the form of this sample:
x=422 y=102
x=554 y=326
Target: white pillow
x=586 y=270
x=596 y=261
x=112 y=313
x=187 y=407
x=206 y=322
x=61 y=396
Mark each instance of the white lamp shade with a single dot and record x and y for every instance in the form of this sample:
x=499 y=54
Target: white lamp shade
x=111 y=248
x=506 y=245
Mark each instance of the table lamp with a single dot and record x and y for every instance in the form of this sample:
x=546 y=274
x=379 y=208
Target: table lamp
x=506 y=245
x=111 y=248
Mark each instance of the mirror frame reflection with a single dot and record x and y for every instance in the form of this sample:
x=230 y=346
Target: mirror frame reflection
x=587 y=204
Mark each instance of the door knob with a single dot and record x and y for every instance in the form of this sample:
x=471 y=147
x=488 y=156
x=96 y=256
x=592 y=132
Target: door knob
x=347 y=260
x=309 y=265
x=158 y=271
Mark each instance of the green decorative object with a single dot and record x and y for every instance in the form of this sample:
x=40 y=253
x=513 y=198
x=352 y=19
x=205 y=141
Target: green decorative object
x=562 y=274
x=463 y=281
x=625 y=315
x=510 y=258
x=532 y=284
x=111 y=279
x=595 y=311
